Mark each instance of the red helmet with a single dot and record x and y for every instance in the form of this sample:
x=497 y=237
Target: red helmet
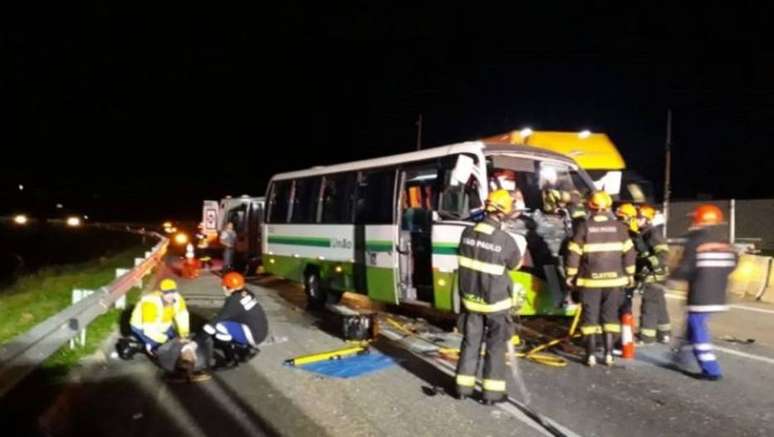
x=233 y=281
x=707 y=215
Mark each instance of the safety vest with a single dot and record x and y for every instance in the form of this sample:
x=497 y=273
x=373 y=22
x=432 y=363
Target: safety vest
x=154 y=318
x=486 y=254
x=601 y=254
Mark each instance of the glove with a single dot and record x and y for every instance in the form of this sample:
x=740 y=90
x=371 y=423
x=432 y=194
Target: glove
x=632 y=283
x=209 y=329
x=149 y=349
x=570 y=281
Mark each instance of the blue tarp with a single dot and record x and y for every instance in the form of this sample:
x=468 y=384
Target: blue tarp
x=351 y=367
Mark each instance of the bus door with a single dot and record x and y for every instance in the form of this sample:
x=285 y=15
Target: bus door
x=375 y=235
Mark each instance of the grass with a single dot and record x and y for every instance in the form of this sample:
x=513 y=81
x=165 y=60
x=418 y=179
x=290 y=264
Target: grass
x=58 y=365
x=35 y=297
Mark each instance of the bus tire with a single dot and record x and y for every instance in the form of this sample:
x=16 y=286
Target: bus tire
x=315 y=295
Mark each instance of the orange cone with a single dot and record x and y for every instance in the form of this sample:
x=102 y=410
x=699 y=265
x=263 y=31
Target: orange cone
x=627 y=336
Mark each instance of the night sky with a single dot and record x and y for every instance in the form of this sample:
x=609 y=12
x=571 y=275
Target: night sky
x=131 y=111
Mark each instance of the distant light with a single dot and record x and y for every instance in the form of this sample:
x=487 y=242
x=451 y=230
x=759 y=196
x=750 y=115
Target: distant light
x=584 y=134
x=181 y=239
x=339 y=269
x=59 y=206
x=167 y=224
x=526 y=132
x=441 y=283
x=85 y=217
x=73 y=222
x=21 y=187
x=20 y=219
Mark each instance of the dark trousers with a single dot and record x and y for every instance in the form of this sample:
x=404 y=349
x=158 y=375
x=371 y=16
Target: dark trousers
x=654 y=317
x=600 y=310
x=494 y=330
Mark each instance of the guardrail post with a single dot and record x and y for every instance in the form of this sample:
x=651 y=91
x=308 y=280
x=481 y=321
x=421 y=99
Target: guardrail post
x=121 y=301
x=78 y=295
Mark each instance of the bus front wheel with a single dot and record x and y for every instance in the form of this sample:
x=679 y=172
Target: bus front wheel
x=315 y=295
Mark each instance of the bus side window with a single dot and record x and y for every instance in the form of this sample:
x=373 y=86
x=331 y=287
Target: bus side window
x=336 y=198
x=374 y=200
x=305 y=200
x=279 y=202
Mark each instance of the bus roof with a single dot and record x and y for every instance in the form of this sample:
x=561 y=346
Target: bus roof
x=466 y=147
x=593 y=152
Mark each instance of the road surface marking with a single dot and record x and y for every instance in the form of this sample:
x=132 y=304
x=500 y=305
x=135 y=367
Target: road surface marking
x=745 y=355
x=738 y=307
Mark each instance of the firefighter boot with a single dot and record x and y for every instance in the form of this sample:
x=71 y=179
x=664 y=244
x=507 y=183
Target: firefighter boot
x=591 y=347
x=608 y=349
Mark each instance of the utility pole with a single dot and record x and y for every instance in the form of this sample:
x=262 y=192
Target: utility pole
x=667 y=170
x=419 y=132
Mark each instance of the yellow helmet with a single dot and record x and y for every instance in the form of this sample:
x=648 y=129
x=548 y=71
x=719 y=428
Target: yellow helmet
x=499 y=200
x=626 y=210
x=647 y=212
x=600 y=200
x=168 y=285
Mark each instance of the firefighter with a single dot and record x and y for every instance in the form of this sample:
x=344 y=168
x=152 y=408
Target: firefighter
x=241 y=324
x=600 y=263
x=627 y=214
x=707 y=261
x=486 y=255
x=652 y=272
x=160 y=316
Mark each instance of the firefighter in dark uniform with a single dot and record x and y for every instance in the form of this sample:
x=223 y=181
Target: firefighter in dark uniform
x=652 y=271
x=627 y=214
x=241 y=324
x=600 y=263
x=486 y=255
x=707 y=261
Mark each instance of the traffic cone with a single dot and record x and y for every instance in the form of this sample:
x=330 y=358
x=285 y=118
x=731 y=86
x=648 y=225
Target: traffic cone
x=627 y=336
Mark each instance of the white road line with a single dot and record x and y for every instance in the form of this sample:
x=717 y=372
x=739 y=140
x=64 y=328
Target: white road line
x=737 y=307
x=745 y=355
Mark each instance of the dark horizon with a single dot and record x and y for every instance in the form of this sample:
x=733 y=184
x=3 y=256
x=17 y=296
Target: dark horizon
x=218 y=100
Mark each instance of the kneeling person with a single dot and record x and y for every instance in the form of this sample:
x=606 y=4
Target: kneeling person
x=241 y=324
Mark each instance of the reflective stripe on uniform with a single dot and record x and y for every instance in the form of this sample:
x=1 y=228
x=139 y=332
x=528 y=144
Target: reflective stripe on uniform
x=480 y=266
x=591 y=329
x=575 y=247
x=665 y=327
x=466 y=380
x=572 y=271
x=600 y=218
x=628 y=245
x=603 y=247
x=653 y=261
x=661 y=248
x=494 y=385
x=476 y=305
x=602 y=283
x=707 y=357
x=631 y=270
x=484 y=228
x=702 y=347
x=716 y=264
x=648 y=332
x=613 y=328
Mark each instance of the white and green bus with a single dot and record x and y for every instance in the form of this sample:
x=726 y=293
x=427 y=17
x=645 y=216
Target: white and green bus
x=390 y=227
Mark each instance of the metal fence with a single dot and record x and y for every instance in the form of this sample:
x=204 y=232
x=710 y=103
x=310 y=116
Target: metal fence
x=747 y=220
x=25 y=352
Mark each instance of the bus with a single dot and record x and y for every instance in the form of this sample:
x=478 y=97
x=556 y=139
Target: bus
x=594 y=152
x=246 y=214
x=390 y=227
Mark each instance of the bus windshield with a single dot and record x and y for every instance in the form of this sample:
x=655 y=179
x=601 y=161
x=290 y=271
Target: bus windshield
x=532 y=176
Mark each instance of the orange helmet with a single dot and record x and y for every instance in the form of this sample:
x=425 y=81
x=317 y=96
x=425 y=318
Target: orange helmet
x=499 y=200
x=626 y=210
x=648 y=212
x=233 y=281
x=600 y=200
x=707 y=215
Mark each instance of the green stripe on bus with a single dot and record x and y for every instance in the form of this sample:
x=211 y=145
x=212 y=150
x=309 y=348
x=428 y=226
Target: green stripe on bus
x=445 y=248
x=300 y=241
x=379 y=246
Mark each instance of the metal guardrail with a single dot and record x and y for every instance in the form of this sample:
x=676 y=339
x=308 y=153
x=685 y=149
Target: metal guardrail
x=25 y=352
